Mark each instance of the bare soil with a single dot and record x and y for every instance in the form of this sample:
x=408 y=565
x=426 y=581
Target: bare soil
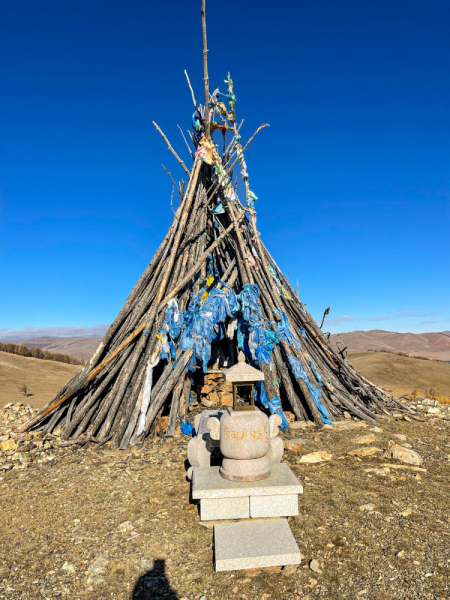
x=106 y=524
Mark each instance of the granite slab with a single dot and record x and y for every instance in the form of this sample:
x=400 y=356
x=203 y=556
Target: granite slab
x=207 y=483
x=254 y=544
x=272 y=506
x=214 y=509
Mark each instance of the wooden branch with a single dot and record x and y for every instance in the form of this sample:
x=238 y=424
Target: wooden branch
x=198 y=264
x=188 y=147
x=247 y=145
x=205 y=73
x=181 y=191
x=192 y=91
x=171 y=149
x=172 y=179
x=326 y=312
x=227 y=273
x=173 y=415
x=169 y=383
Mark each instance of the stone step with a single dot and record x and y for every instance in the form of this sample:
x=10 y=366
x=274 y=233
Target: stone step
x=254 y=544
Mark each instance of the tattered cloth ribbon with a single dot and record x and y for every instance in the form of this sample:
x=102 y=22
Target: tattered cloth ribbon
x=251 y=260
x=208 y=283
x=206 y=151
x=219 y=126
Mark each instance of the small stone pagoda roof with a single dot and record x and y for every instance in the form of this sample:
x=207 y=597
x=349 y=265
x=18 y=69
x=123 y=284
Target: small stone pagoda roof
x=243 y=372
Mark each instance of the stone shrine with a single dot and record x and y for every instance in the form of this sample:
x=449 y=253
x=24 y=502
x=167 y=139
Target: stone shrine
x=251 y=482
x=247 y=436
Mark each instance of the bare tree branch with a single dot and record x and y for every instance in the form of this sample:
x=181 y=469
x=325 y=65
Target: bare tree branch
x=178 y=190
x=171 y=149
x=188 y=147
x=171 y=197
x=326 y=312
x=192 y=91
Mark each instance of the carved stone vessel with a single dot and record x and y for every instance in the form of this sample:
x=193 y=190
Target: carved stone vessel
x=248 y=443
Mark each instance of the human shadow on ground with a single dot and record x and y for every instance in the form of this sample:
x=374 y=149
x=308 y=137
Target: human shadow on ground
x=154 y=584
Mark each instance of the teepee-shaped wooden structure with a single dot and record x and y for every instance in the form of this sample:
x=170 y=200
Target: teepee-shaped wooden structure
x=212 y=282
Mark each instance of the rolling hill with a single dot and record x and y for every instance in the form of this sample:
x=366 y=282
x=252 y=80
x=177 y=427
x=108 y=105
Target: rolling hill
x=431 y=345
x=80 y=347
x=43 y=377
x=402 y=374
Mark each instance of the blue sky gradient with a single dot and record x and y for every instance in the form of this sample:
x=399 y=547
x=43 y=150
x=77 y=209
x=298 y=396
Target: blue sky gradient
x=352 y=175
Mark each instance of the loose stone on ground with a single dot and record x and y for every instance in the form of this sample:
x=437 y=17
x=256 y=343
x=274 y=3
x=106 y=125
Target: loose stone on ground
x=92 y=493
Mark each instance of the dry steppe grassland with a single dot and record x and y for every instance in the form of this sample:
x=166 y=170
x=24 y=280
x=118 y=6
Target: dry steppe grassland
x=400 y=374
x=88 y=525
x=84 y=524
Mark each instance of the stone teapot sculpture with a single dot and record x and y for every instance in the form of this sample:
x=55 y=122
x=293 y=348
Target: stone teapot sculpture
x=248 y=443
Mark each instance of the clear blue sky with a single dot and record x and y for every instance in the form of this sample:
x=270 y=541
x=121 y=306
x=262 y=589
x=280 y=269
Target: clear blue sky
x=352 y=175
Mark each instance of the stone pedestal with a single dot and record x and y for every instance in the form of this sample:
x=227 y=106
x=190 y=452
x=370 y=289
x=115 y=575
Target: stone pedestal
x=275 y=496
x=251 y=449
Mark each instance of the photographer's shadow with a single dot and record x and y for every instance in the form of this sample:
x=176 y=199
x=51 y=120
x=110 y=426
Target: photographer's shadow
x=154 y=584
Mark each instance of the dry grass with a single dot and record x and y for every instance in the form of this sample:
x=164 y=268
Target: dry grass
x=71 y=510
x=402 y=374
x=42 y=379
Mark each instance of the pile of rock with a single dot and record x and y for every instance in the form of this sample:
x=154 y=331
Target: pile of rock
x=21 y=449
x=14 y=414
x=430 y=407
x=215 y=391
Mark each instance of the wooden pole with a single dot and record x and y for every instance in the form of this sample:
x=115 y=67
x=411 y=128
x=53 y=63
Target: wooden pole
x=192 y=91
x=172 y=150
x=205 y=73
x=169 y=383
x=199 y=263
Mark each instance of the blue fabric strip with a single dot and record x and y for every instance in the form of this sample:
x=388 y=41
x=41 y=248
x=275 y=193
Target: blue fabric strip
x=316 y=394
x=273 y=405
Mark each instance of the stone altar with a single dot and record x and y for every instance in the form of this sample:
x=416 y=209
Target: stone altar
x=275 y=496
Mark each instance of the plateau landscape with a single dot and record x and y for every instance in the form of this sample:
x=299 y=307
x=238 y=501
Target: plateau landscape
x=224 y=300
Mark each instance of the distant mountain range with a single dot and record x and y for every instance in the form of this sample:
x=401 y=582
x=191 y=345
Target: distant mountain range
x=80 y=347
x=431 y=345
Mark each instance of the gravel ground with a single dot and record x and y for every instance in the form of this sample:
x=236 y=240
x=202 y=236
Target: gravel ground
x=112 y=524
